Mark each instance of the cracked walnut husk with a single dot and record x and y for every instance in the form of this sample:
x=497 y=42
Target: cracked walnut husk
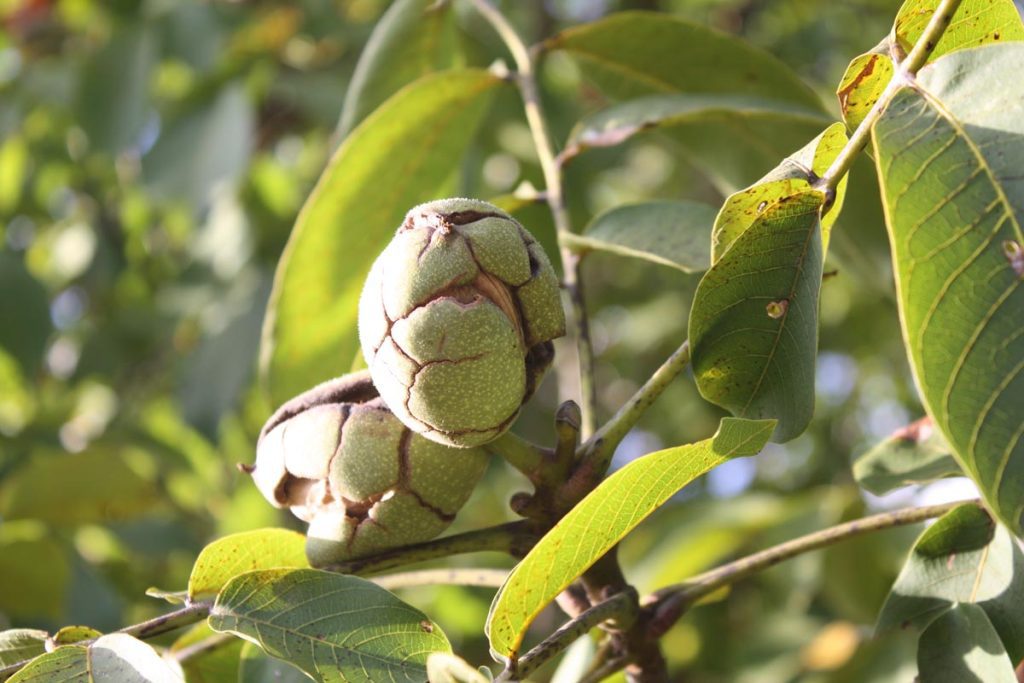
x=362 y=480
x=456 y=320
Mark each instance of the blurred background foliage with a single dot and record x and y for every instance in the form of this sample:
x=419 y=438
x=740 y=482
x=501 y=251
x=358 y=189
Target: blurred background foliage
x=154 y=156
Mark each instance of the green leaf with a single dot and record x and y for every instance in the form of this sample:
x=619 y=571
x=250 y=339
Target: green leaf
x=227 y=557
x=19 y=644
x=961 y=645
x=948 y=153
x=115 y=657
x=220 y=664
x=75 y=634
x=331 y=626
x=25 y=341
x=629 y=54
x=412 y=39
x=966 y=558
x=666 y=232
x=914 y=454
x=398 y=157
x=34 y=562
x=731 y=137
x=602 y=519
x=793 y=176
x=976 y=22
x=70 y=489
x=754 y=323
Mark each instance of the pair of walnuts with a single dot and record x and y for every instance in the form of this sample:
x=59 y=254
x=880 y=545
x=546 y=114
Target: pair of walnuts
x=456 y=320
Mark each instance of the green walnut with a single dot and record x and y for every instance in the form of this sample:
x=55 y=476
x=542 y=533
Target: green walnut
x=365 y=483
x=456 y=320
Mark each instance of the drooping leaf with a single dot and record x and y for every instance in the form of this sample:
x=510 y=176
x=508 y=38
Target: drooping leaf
x=19 y=644
x=914 y=454
x=793 y=176
x=602 y=519
x=115 y=657
x=948 y=154
x=754 y=319
x=966 y=558
x=672 y=233
x=333 y=627
x=236 y=554
x=34 y=571
x=976 y=22
x=628 y=54
x=400 y=156
x=961 y=645
x=732 y=137
x=71 y=489
x=412 y=39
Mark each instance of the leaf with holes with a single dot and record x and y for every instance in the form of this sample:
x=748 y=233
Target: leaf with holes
x=399 y=156
x=965 y=557
x=913 y=454
x=754 y=320
x=949 y=153
x=670 y=233
x=333 y=627
x=602 y=519
x=236 y=554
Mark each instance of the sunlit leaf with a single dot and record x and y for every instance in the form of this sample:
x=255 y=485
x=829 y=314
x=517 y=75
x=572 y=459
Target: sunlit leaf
x=966 y=558
x=670 y=233
x=333 y=627
x=754 y=320
x=13 y=169
x=976 y=22
x=236 y=554
x=115 y=657
x=914 y=454
x=628 y=54
x=863 y=83
x=602 y=519
x=948 y=153
x=412 y=39
x=398 y=157
x=75 y=634
x=961 y=645
x=19 y=644
x=794 y=175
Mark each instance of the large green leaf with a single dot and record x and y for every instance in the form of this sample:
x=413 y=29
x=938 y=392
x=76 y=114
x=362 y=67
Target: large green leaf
x=400 y=156
x=963 y=558
x=732 y=137
x=754 y=320
x=227 y=557
x=602 y=519
x=333 y=627
x=629 y=54
x=412 y=39
x=19 y=644
x=961 y=645
x=670 y=233
x=949 y=152
x=115 y=657
x=976 y=22
x=914 y=454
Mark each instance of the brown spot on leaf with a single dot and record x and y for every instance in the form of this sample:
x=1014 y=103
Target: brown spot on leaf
x=777 y=309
